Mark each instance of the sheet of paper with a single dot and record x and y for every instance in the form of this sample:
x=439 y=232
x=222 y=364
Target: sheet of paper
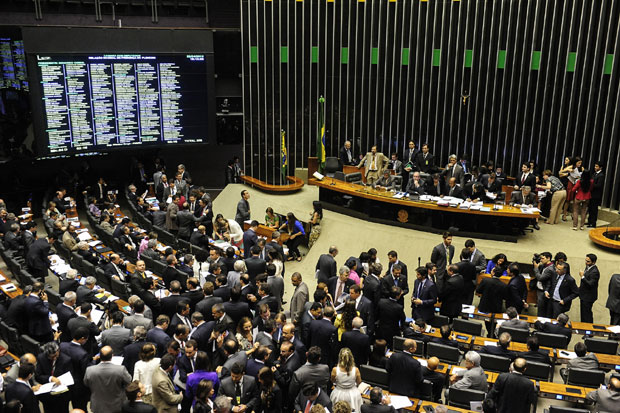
x=118 y=360
x=468 y=309
x=459 y=370
x=543 y=320
x=94 y=243
x=84 y=236
x=567 y=354
x=45 y=388
x=490 y=343
x=400 y=402
x=614 y=329
x=66 y=379
x=423 y=362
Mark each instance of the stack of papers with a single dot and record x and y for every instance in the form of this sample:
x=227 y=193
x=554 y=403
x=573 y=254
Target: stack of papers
x=543 y=320
x=614 y=329
x=567 y=354
x=94 y=243
x=468 y=309
x=400 y=402
x=84 y=236
x=490 y=343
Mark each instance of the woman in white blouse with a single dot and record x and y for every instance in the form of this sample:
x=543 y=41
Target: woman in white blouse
x=144 y=368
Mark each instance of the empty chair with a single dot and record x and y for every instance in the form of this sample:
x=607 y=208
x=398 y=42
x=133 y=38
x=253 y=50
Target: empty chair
x=446 y=354
x=26 y=278
x=53 y=297
x=538 y=371
x=29 y=344
x=375 y=376
x=564 y=409
x=517 y=334
x=398 y=182
x=184 y=245
x=597 y=345
x=468 y=327
x=88 y=268
x=120 y=289
x=426 y=390
x=339 y=175
x=332 y=164
x=491 y=362
x=585 y=377
x=102 y=279
x=354 y=178
x=462 y=397
x=551 y=340
x=12 y=335
x=439 y=320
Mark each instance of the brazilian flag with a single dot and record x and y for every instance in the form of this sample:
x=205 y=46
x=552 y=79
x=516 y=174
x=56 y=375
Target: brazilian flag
x=320 y=140
x=283 y=156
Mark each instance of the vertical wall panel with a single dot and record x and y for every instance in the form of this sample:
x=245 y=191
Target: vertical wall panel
x=505 y=80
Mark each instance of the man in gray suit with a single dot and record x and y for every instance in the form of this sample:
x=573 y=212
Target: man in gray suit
x=233 y=356
x=454 y=170
x=326 y=265
x=513 y=321
x=299 y=298
x=607 y=400
x=473 y=378
x=116 y=336
x=107 y=383
x=138 y=318
x=312 y=372
x=477 y=257
x=442 y=257
x=243 y=208
x=186 y=221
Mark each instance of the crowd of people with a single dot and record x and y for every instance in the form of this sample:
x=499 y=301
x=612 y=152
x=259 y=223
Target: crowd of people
x=572 y=189
x=214 y=333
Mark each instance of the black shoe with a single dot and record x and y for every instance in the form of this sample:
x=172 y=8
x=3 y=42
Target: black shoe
x=536 y=227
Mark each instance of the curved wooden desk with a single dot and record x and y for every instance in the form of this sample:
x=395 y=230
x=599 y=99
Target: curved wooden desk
x=597 y=235
x=295 y=185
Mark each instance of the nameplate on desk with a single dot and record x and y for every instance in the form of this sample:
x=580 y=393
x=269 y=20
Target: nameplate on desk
x=9 y=288
x=318 y=176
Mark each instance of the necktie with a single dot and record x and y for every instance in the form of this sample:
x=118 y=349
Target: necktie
x=373 y=165
x=53 y=367
x=420 y=289
x=308 y=407
x=237 y=394
x=339 y=290
x=191 y=360
x=523 y=179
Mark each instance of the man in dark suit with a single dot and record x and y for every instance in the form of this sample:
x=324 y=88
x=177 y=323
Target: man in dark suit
x=431 y=374
x=372 y=284
x=265 y=297
x=115 y=268
x=241 y=388
x=323 y=334
x=169 y=303
x=516 y=296
x=243 y=208
x=526 y=178
x=326 y=265
x=597 y=193
x=186 y=221
x=250 y=238
x=134 y=404
x=80 y=360
x=364 y=307
x=346 y=154
x=424 y=296
x=562 y=326
x=408 y=163
x=377 y=403
x=206 y=304
x=51 y=364
x=87 y=294
x=357 y=342
x=424 y=160
x=523 y=197
x=83 y=320
x=492 y=292
x=65 y=312
x=221 y=318
x=199 y=237
x=313 y=313
x=467 y=270
x=491 y=183
x=131 y=352
x=37 y=309
x=562 y=290
x=588 y=289
x=194 y=293
x=405 y=372
x=453 y=189
x=181 y=316
x=501 y=349
x=311 y=395
x=288 y=365
x=445 y=333
x=21 y=390
x=157 y=335
x=534 y=353
x=513 y=392
x=451 y=295
x=390 y=316
x=69 y=283
x=395 y=278
x=613 y=299
x=442 y=256
x=222 y=289
x=37 y=258
x=254 y=264
x=171 y=273
x=338 y=287
x=235 y=308
x=201 y=332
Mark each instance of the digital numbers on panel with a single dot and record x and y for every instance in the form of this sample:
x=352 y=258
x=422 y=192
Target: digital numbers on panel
x=107 y=101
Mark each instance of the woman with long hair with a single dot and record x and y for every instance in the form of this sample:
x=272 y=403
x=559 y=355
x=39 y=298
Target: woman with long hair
x=276 y=259
x=352 y=265
x=144 y=368
x=244 y=334
x=346 y=377
x=573 y=177
x=296 y=236
x=202 y=371
x=498 y=263
x=204 y=394
x=315 y=220
x=270 y=393
x=344 y=321
x=582 y=193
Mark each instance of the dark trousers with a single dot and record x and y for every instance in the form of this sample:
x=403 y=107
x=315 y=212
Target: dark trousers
x=593 y=211
x=55 y=404
x=80 y=397
x=293 y=246
x=614 y=318
x=557 y=309
x=468 y=294
x=585 y=308
x=543 y=304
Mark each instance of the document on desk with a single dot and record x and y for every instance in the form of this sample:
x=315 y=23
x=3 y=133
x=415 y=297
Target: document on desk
x=543 y=320
x=567 y=354
x=468 y=309
x=614 y=329
x=400 y=402
x=490 y=343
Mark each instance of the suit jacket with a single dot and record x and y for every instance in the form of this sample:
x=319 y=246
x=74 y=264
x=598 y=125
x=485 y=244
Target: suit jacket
x=381 y=162
x=456 y=172
x=169 y=304
x=587 y=362
x=424 y=164
x=359 y=344
x=530 y=181
x=236 y=310
x=299 y=298
x=613 y=296
x=498 y=351
x=517 y=292
x=43 y=370
x=23 y=393
x=327 y=268
x=199 y=239
x=409 y=157
x=310 y=373
x=588 y=289
x=243 y=212
x=250 y=394
x=38 y=253
x=390 y=319
x=513 y=393
x=372 y=289
x=474 y=379
x=437 y=379
x=568 y=290
x=107 y=384
x=388 y=182
x=323 y=399
x=137 y=407
x=516 y=323
x=451 y=296
x=271 y=301
x=428 y=295
x=131 y=355
x=171 y=217
x=83 y=322
x=86 y=295
x=38 y=316
x=186 y=222
x=344 y=156
x=64 y=314
x=80 y=360
x=332 y=283
x=517 y=199
x=439 y=258
x=158 y=337
x=597 y=188
x=255 y=266
x=493 y=291
x=130 y=322
x=116 y=337
x=554 y=329
x=606 y=400
x=324 y=334
x=67 y=285
x=413 y=189
x=405 y=374
x=249 y=240
x=540 y=356
x=455 y=192
x=165 y=399
x=366 y=311
x=479 y=261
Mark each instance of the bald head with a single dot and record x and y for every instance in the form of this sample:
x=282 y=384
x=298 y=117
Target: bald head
x=106 y=353
x=614 y=383
x=28 y=358
x=520 y=364
x=432 y=363
x=357 y=322
x=504 y=340
x=410 y=345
